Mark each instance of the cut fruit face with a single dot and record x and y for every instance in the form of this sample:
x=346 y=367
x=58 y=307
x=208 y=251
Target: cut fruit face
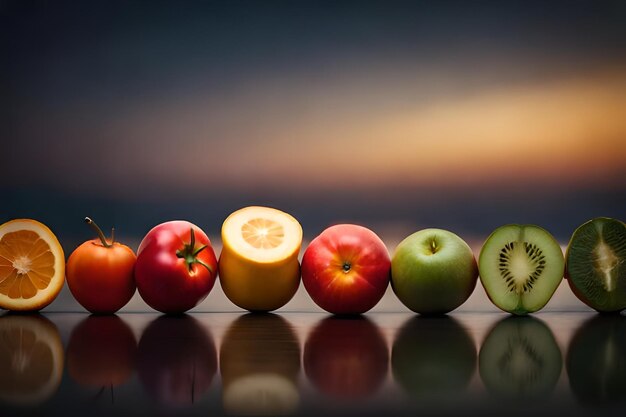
x=31 y=359
x=521 y=264
x=262 y=234
x=32 y=265
x=520 y=268
x=596 y=264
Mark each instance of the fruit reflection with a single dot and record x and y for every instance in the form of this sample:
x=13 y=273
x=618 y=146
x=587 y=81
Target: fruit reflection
x=520 y=359
x=433 y=358
x=101 y=352
x=260 y=363
x=177 y=360
x=346 y=357
x=31 y=359
x=596 y=360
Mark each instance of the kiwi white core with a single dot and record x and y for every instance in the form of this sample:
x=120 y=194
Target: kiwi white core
x=521 y=264
x=605 y=261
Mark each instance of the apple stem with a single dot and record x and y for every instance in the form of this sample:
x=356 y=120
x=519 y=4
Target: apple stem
x=433 y=246
x=95 y=227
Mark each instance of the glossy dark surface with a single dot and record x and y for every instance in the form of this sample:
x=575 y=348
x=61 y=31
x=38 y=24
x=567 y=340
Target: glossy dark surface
x=312 y=364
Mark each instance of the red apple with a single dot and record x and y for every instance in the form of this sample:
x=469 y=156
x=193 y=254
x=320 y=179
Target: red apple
x=177 y=360
x=346 y=357
x=346 y=269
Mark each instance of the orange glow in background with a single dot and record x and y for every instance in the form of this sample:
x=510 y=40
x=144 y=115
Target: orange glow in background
x=559 y=132
x=395 y=115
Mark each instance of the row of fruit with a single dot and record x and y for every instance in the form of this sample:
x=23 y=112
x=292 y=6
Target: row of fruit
x=176 y=359
x=345 y=270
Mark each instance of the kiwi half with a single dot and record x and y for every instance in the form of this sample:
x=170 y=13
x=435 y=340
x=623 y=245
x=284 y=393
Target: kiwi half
x=520 y=268
x=596 y=264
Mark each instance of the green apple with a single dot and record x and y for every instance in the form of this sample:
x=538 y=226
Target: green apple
x=433 y=271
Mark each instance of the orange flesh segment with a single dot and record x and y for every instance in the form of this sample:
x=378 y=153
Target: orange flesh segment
x=26 y=264
x=263 y=233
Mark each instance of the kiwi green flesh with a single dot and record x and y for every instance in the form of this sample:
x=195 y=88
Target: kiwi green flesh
x=520 y=359
x=596 y=264
x=521 y=267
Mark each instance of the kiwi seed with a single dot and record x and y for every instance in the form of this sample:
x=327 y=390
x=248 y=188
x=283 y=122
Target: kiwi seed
x=535 y=258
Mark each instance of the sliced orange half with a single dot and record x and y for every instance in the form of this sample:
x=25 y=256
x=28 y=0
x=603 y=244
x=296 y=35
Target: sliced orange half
x=31 y=359
x=32 y=265
x=259 y=268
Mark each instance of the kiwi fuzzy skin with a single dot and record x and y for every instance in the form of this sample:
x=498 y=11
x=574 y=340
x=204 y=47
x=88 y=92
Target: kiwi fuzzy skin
x=577 y=292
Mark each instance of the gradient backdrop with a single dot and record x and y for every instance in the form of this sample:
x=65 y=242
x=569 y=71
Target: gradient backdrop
x=396 y=115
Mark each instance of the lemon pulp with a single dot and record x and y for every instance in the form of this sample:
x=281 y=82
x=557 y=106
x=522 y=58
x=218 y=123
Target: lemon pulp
x=263 y=233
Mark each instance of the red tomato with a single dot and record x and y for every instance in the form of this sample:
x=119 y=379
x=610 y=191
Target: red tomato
x=100 y=274
x=176 y=267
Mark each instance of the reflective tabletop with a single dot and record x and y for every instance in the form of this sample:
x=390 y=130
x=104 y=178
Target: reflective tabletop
x=312 y=364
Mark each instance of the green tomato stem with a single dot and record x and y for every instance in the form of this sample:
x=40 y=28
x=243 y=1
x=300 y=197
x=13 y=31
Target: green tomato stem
x=198 y=261
x=192 y=244
x=95 y=227
x=190 y=253
x=200 y=249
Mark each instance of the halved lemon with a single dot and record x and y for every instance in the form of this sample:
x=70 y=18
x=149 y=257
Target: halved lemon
x=258 y=266
x=32 y=265
x=31 y=359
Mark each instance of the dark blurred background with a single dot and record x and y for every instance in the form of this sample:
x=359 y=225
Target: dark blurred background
x=396 y=115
